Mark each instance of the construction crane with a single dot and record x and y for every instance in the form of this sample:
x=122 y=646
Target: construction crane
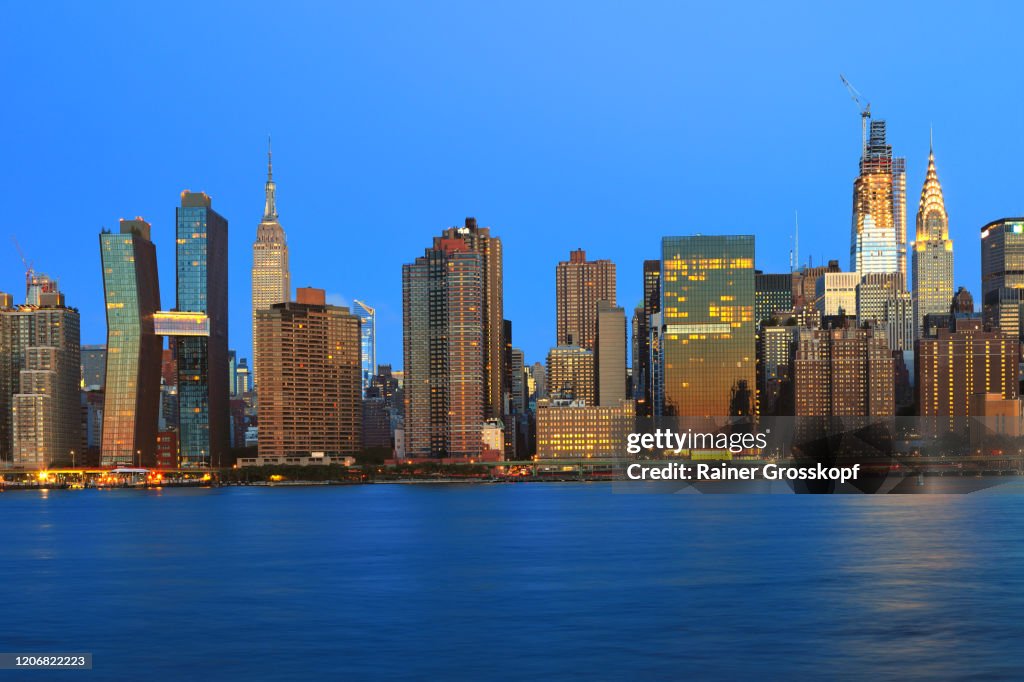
x=29 y=271
x=865 y=111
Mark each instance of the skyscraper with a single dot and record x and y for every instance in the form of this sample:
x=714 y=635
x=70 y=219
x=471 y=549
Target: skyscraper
x=479 y=240
x=271 y=281
x=368 y=342
x=610 y=354
x=932 y=252
x=642 y=374
x=310 y=393
x=444 y=330
x=200 y=328
x=1002 y=274
x=772 y=293
x=878 y=233
x=579 y=286
x=707 y=302
x=131 y=288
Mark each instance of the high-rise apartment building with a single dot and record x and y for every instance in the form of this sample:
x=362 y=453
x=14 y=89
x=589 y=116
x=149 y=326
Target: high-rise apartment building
x=40 y=375
x=610 y=354
x=932 y=252
x=843 y=372
x=446 y=359
x=271 y=279
x=878 y=235
x=708 y=344
x=200 y=327
x=131 y=289
x=479 y=240
x=310 y=387
x=579 y=286
x=1002 y=274
x=959 y=363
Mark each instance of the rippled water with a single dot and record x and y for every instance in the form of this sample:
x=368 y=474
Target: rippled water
x=512 y=581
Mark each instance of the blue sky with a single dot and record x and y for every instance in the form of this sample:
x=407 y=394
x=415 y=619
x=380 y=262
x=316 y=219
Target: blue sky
x=561 y=125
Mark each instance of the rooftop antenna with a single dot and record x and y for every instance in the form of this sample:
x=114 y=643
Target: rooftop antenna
x=796 y=221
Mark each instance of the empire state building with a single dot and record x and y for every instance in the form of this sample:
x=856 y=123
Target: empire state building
x=271 y=282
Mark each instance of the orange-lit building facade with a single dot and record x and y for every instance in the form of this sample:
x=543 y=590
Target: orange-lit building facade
x=707 y=285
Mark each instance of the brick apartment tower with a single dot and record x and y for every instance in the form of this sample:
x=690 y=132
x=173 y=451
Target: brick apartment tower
x=310 y=390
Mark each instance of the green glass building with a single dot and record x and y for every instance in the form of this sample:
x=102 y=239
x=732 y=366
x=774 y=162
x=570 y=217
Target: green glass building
x=131 y=401
x=707 y=303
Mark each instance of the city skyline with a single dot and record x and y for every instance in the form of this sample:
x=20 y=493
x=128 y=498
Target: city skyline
x=583 y=183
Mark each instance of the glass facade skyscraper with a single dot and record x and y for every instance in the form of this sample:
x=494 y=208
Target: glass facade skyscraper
x=202 y=287
x=878 y=236
x=132 y=291
x=1002 y=274
x=368 y=343
x=707 y=304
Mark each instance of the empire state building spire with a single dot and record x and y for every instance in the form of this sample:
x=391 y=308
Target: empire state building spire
x=270 y=209
x=271 y=280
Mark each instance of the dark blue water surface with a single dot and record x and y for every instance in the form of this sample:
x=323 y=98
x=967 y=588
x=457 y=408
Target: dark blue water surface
x=512 y=581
